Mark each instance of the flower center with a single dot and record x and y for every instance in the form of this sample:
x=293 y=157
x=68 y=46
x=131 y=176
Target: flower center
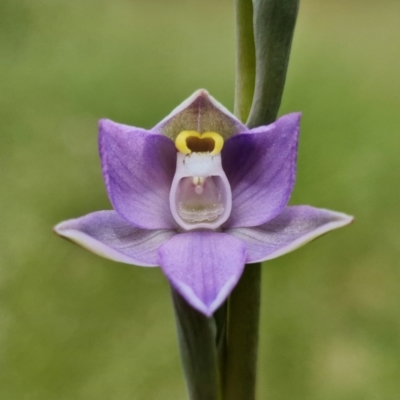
x=200 y=195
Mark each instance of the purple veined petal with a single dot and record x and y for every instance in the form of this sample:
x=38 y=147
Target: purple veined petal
x=293 y=228
x=203 y=266
x=261 y=169
x=106 y=234
x=201 y=113
x=138 y=168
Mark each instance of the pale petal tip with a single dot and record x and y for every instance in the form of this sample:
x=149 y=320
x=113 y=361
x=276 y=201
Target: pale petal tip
x=194 y=301
x=102 y=123
x=58 y=229
x=206 y=308
x=65 y=231
x=291 y=119
x=297 y=114
x=345 y=219
x=106 y=125
x=337 y=217
x=200 y=93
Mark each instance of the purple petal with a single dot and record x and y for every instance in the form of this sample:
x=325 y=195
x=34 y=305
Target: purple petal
x=261 y=168
x=106 y=234
x=201 y=113
x=293 y=228
x=138 y=168
x=203 y=267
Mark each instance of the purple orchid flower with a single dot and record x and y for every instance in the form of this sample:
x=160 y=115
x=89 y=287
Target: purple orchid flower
x=200 y=195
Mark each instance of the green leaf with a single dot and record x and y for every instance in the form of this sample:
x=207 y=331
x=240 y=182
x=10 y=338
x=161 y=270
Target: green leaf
x=274 y=22
x=245 y=58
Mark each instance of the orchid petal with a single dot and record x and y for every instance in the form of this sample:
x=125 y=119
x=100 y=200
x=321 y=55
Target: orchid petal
x=201 y=113
x=293 y=228
x=261 y=169
x=203 y=267
x=138 y=168
x=106 y=234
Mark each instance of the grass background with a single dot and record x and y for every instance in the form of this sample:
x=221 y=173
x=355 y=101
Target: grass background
x=77 y=327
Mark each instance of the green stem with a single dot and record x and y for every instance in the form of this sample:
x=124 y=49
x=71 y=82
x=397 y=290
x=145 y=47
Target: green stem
x=237 y=353
x=242 y=336
x=196 y=337
x=274 y=22
x=245 y=58
x=220 y=318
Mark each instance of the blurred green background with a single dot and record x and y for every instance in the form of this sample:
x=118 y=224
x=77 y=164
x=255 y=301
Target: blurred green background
x=76 y=327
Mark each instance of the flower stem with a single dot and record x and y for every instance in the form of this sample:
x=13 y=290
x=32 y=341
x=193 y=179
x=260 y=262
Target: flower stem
x=238 y=344
x=273 y=23
x=196 y=337
x=242 y=336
